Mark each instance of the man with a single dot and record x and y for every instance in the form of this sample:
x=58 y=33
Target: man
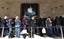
x=62 y=23
x=57 y=23
x=41 y=25
x=0 y=26
x=4 y=24
x=49 y=26
x=33 y=26
x=10 y=27
x=17 y=27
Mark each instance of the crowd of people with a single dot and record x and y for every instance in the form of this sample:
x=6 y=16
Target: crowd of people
x=13 y=26
x=7 y=24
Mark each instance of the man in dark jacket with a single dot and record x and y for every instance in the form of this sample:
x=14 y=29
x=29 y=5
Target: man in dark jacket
x=4 y=24
x=41 y=25
x=62 y=23
x=57 y=23
x=33 y=26
x=0 y=26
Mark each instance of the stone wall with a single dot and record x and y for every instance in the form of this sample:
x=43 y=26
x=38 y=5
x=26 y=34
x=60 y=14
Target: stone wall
x=52 y=8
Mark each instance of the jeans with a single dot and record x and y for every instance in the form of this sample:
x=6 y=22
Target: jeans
x=10 y=30
x=58 y=30
x=50 y=31
x=63 y=29
x=6 y=31
x=17 y=32
x=24 y=27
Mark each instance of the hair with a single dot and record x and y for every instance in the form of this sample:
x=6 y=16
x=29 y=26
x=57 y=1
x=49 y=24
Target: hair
x=17 y=17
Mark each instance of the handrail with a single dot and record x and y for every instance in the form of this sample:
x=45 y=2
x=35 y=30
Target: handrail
x=34 y=27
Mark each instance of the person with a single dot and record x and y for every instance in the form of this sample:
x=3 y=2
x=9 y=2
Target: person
x=4 y=24
x=17 y=27
x=13 y=22
x=24 y=22
x=0 y=26
x=62 y=23
x=41 y=25
x=57 y=23
x=33 y=25
x=10 y=27
x=49 y=26
x=53 y=26
x=13 y=29
x=37 y=25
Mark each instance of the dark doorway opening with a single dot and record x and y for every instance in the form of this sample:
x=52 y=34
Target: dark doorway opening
x=24 y=7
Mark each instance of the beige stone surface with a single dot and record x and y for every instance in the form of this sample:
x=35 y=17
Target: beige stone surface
x=45 y=6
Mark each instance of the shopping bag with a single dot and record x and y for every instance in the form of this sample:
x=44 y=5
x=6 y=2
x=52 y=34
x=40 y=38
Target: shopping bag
x=24 y=31
x=43 y=30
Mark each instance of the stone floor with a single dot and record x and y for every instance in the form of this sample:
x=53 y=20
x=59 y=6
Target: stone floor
x=35 y=37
